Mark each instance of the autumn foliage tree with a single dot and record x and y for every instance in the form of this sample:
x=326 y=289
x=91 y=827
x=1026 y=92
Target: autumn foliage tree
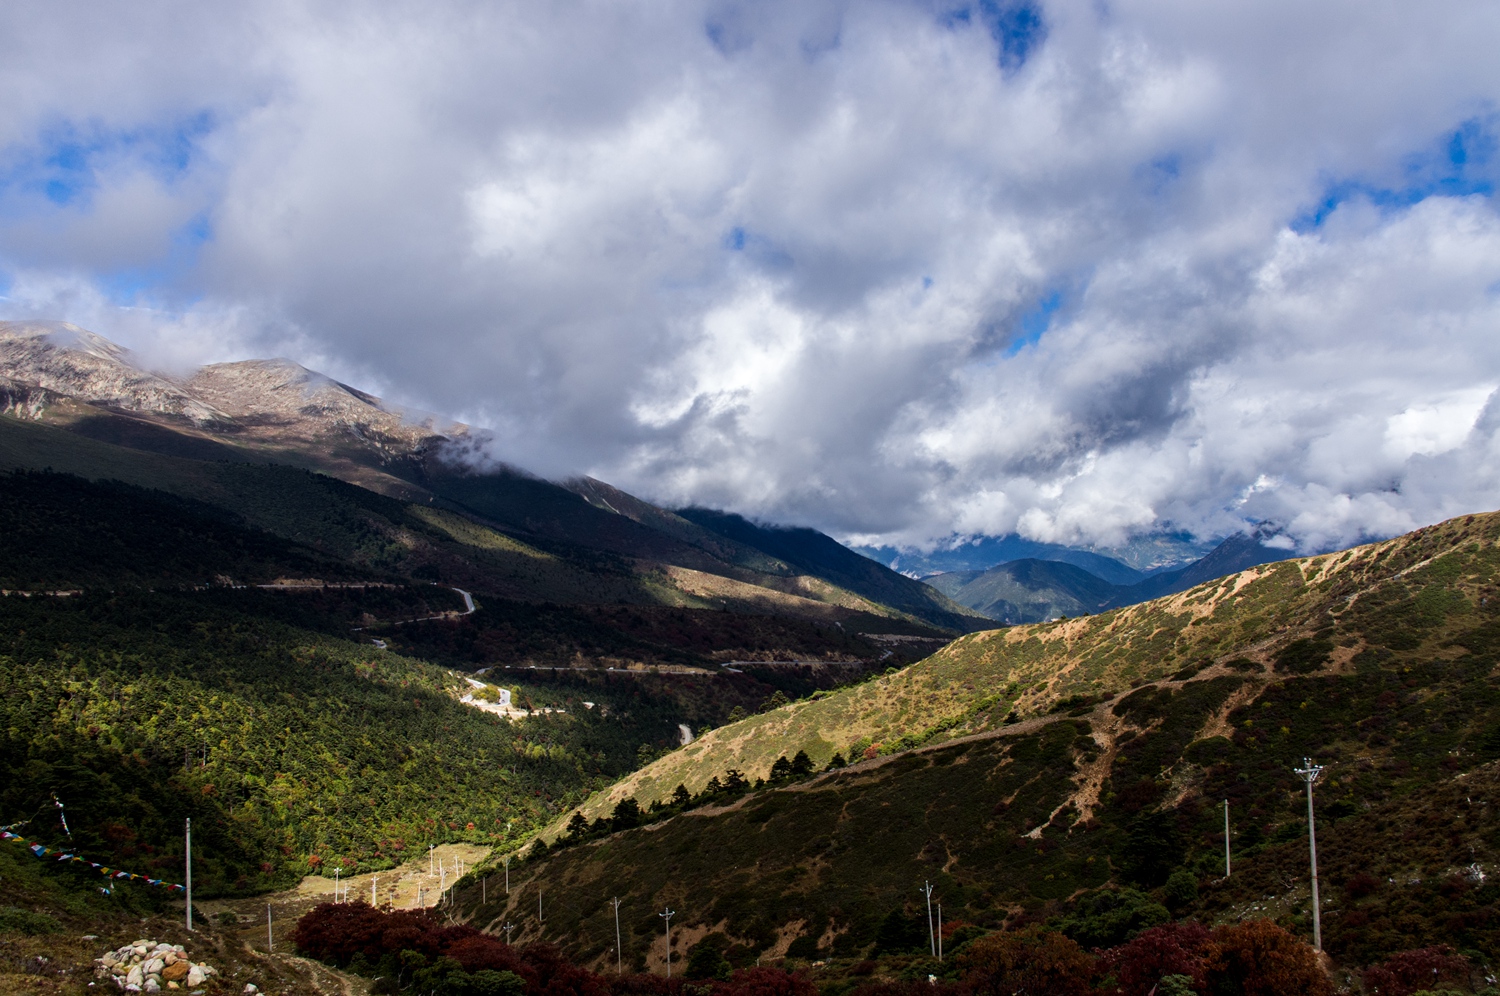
x=1030 y=960
x=1138 y=966
x=1410 y=971
x=1259 y=958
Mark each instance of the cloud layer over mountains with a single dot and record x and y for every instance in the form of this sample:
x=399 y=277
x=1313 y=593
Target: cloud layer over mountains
x=1077 y=268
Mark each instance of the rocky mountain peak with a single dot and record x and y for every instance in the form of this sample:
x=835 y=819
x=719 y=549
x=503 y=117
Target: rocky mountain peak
x=74 y=362
x=274 y=402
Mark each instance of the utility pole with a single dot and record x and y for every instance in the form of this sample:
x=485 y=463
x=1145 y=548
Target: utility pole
x=483 y=881
x=1226 y=838
x=940 y=932
x=373 y=880
x=188 y=844
x=507 y=874
x=931 y=937
x=429 y=860
x=508 y=927
x=336 y=884
x=619 y=964
x=270 y=942
x=1310 y=773
x=670 y=912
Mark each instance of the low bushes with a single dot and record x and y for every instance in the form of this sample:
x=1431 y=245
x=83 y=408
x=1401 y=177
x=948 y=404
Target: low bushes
x=408 y=950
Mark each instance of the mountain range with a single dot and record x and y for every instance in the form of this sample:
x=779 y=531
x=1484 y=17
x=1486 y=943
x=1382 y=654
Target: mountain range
x=275 y=410
x=323 y=630
x=258 y=412
x=1043 y=589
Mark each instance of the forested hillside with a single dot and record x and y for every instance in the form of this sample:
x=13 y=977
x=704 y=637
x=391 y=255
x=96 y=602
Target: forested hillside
x=1075 y=772
x=164 y=657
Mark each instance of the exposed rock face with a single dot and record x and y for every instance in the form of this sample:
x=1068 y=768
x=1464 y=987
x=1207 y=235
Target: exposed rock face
x=272 y=403
x=284 y=395
x=76 y=363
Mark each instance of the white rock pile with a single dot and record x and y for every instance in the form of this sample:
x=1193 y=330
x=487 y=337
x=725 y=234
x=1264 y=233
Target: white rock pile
x=147 y=966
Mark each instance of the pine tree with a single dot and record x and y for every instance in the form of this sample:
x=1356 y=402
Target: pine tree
x=802 y=765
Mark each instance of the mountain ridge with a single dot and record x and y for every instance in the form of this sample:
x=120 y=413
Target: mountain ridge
x=277 y=411
x=1040 y=590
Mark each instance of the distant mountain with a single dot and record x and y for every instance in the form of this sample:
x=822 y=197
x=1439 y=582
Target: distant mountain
x=824 y=557
x=1124 y=564
x=1038 y=590
x=1028 y=591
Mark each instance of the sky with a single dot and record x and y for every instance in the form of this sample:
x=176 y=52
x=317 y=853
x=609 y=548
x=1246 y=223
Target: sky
x=902 y=270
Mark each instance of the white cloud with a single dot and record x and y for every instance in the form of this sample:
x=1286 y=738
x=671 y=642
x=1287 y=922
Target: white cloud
x=779 y=256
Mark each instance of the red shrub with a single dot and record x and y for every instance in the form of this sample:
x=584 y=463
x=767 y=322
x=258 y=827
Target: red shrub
x=1424 y=968
x=645 y=984
x=1171 y=949
x=336 y=932
x=1260 y=959
x=1030 y=960
x=548 y=973
x=481 y=951
x=765 y=982
x=909 y=989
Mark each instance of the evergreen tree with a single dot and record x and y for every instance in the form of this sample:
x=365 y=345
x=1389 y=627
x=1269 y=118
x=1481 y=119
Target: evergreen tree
x=802 y=765
x=627 y=814
x=776 y=701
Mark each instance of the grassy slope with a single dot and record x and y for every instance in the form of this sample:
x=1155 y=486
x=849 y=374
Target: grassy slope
x=974 y=682
x=1379 y=661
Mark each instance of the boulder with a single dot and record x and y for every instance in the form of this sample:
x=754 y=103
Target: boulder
x=135 y=976
x=178 y=969
x=195 y=976
x=152 y=986
x=154 y=966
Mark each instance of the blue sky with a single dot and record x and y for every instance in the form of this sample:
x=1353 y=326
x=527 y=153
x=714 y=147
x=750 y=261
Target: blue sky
x=903 y=270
